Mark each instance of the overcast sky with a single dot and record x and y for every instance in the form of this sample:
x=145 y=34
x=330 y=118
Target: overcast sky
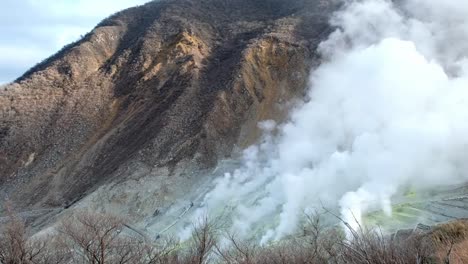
x=32 y=30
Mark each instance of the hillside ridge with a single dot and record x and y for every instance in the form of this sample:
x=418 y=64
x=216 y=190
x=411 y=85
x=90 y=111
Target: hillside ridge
x=166 y=88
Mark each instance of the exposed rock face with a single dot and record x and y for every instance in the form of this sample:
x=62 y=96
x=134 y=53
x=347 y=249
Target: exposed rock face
x=170 y=84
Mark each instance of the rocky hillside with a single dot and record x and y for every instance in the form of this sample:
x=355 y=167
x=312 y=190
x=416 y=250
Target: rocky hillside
x=164 y=88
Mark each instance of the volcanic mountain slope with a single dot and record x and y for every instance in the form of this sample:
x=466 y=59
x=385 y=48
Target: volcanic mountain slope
x=167 y=87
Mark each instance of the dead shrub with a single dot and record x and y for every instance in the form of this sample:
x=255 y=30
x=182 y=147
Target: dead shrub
x=16 y=247
x=96 y=238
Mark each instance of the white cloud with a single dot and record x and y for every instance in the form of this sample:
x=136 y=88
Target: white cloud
x=32 y=30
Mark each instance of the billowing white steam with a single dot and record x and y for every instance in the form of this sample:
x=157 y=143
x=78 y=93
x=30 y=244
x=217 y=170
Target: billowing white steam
x=388 y=111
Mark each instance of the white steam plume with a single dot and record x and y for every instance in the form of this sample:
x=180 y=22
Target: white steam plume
x=388 y=110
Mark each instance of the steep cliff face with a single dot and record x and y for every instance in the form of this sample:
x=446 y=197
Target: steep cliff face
x=164 y=86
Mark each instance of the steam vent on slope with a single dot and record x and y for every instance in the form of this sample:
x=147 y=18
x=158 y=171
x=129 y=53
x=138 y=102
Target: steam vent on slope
x=253 y=113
